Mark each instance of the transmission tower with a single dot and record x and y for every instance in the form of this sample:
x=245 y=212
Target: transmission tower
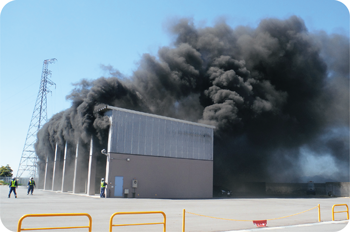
x=28 y=162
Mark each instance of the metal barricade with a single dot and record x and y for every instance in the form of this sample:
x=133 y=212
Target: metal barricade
x=138 y=224
x=54 y=215
x=347 y=211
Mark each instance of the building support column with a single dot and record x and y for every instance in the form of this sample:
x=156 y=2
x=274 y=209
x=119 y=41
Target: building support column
x=63 y=189
x=92 y=170
x=54 y=169
x=76 y=169
x=107 y=174
x=107 y=179
x=45 y=178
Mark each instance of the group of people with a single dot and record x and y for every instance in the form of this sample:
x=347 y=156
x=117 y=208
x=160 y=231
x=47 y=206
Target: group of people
x=13 y=185
x=31 y=184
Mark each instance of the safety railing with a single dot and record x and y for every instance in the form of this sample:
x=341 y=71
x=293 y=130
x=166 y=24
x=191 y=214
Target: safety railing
x=257 y=222
x=346 y=211
x=138 y=224
x=19 y=226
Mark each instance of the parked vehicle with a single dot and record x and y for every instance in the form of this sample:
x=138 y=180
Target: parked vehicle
x=220 y=191
x=225 y=193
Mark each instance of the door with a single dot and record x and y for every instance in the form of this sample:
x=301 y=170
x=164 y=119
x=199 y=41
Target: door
x=118 y=186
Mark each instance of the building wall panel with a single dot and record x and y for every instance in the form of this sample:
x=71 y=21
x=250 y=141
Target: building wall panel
x=162 y=177
x=147 y=135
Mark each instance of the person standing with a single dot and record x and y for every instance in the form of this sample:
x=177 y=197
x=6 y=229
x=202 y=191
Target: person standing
x=103 y=187
x=13 y=185
x=31 y=185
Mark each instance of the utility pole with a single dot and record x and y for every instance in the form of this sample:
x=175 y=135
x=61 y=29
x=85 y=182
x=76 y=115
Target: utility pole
x=28 y=163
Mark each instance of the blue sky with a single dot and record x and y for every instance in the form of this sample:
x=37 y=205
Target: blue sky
x=84 y=34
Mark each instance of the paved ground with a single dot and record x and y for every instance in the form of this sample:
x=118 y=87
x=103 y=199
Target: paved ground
x=235 y=208
x=319 y=227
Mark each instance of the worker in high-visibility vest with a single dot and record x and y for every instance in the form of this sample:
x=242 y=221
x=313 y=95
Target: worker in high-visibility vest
x=13 y=185
x=103 y=187
x=31 y=185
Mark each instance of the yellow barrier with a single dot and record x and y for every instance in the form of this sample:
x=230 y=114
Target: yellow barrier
x=347 y=211
x=319 y=213
x=184 y=212
x=183 y=220
x=54 y=215
x=138 y=224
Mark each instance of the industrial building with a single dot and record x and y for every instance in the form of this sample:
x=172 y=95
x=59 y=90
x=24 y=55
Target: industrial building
x=147 y=156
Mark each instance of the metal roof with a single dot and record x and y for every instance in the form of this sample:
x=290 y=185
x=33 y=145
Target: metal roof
x=107 y=107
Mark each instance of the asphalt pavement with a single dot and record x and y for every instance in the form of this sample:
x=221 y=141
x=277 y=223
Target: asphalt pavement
x=238 y=209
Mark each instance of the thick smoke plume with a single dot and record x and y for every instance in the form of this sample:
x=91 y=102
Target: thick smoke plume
x=277 y=94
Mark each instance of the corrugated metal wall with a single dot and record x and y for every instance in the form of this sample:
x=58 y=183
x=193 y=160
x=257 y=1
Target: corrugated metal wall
x=146 y=135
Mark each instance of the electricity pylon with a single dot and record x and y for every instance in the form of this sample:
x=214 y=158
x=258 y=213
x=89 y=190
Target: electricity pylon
x=28 y=162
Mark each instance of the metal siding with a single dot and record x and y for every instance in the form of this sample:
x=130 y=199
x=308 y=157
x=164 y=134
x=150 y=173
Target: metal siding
x=209 y=144
x=177 y=149
x=195 y=142
x=126 y=127
x=166 y=138
x=120 y=131
x=156 y=137
x=149 y=138
x=142 y=134
x=191 y=142
x=211 y=157
x=179 y=141
x=134 y=134
x=170 y=148
x=185 y=140
x=162 y=139
x=205 y=145
x=146 y=135
x=201 y=142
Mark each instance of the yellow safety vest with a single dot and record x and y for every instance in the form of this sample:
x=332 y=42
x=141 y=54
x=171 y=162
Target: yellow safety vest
x=13 y=183
x=102 y=184
x=31 y=182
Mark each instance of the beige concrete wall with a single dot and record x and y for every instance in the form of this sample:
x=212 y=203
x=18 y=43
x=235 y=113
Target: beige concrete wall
x=162 y=177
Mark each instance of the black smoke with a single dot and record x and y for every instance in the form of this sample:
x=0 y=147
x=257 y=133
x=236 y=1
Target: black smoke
x=271 y=91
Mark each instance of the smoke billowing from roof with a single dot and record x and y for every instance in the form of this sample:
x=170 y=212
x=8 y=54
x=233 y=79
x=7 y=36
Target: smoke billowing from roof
x=276 y=94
